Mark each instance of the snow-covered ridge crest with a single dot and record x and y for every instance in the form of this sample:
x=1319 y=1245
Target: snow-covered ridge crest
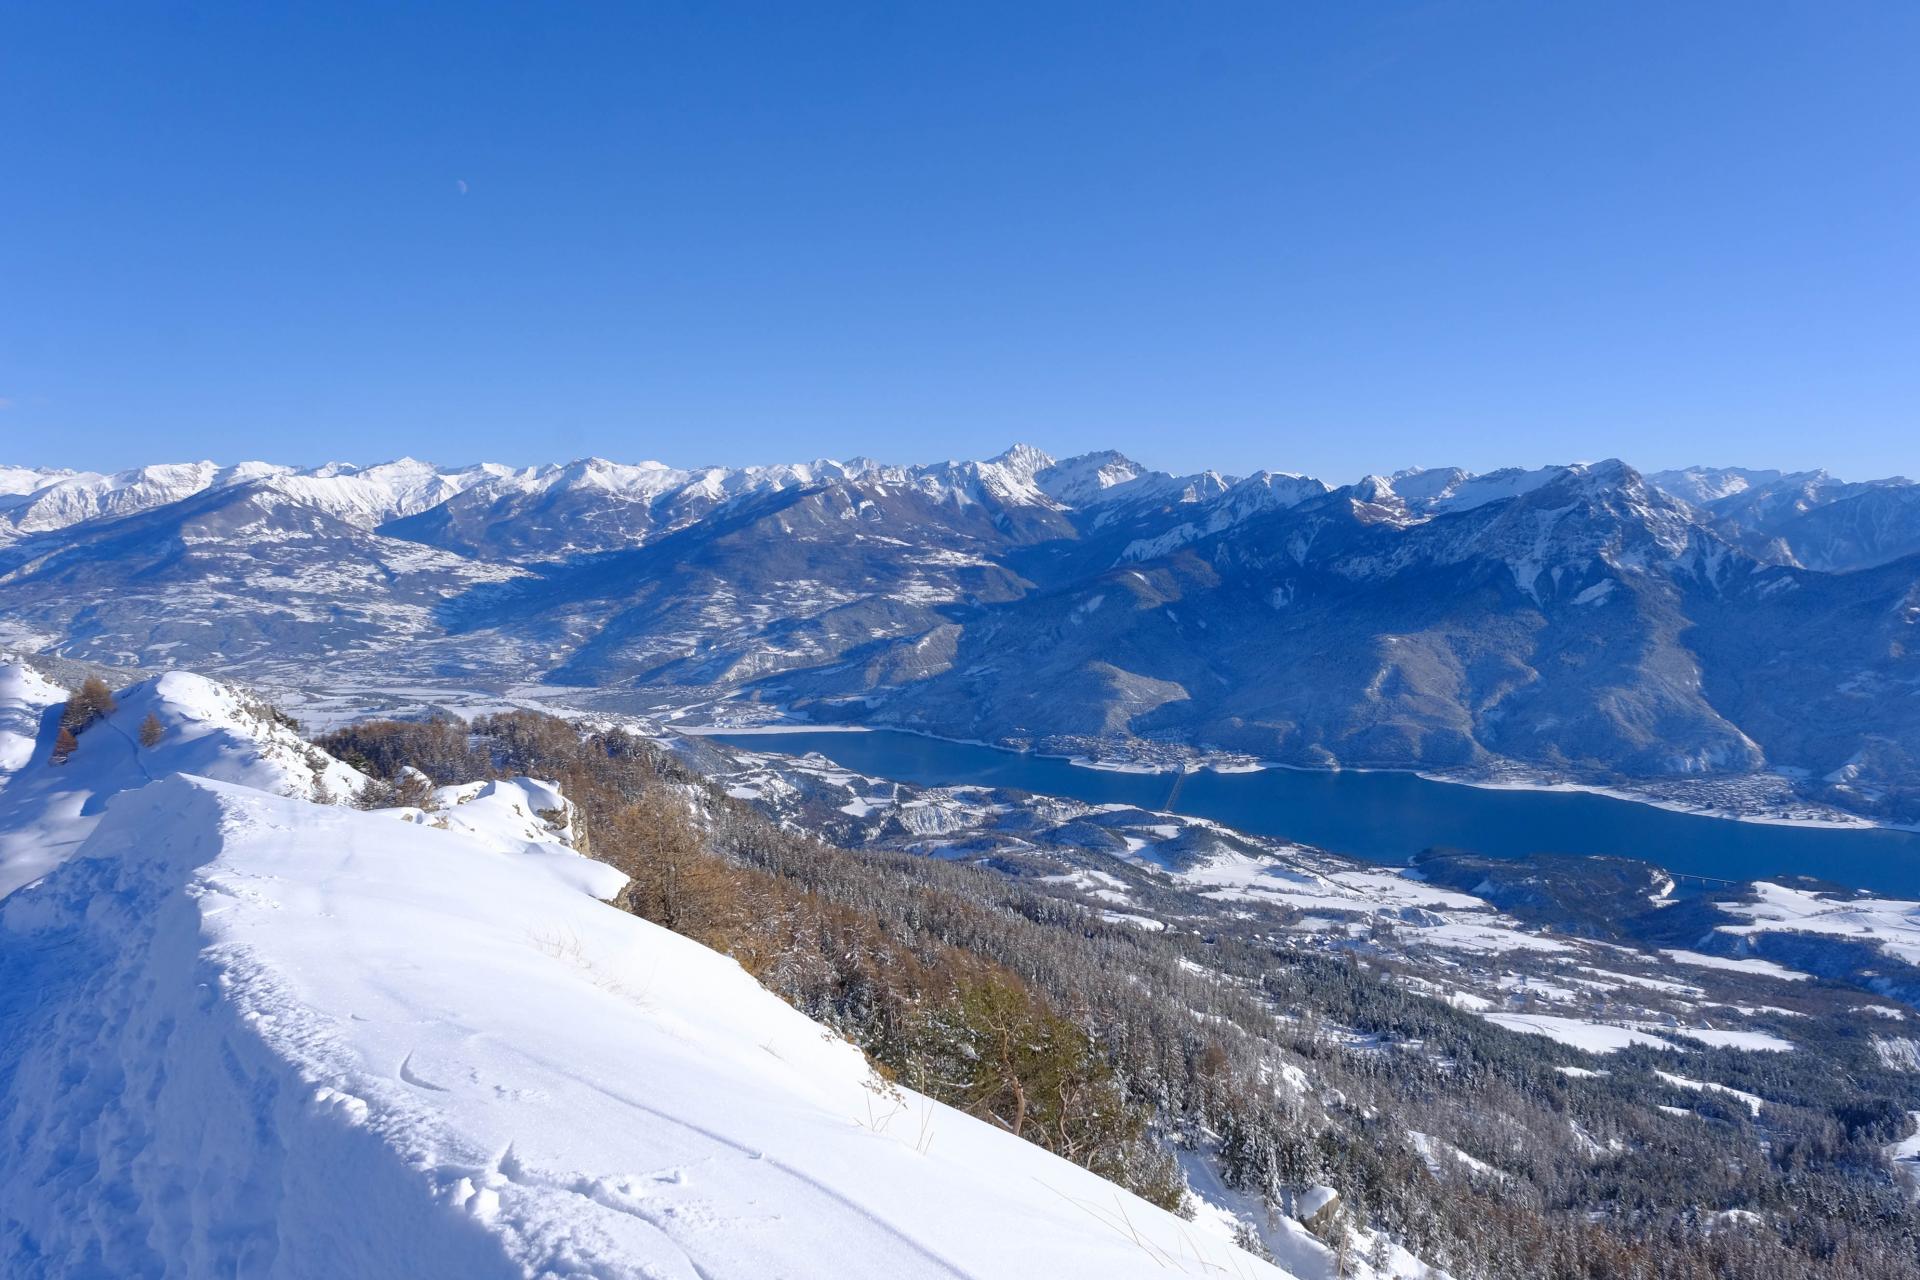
x=207 y=729
x=317 y=1016
x=595 y=503
x=1237 y=503
x=39 y=501
x=359 y=495
x=66 y=498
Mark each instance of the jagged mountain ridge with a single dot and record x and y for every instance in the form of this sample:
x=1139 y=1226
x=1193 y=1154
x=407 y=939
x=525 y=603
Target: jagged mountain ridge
x=1584 y=620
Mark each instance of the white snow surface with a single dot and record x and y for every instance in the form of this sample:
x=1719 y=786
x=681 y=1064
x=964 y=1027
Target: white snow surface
x=1905 y=1157
x=1441 y=490
x=1754 y=1102
x=210 y=729
x=253 y=1035
x=1702 y=485
x=1891 y=924
x=1594 y=1037
x=25 y=696
x=1735 y=964
x=1607 y=1037
x=1442 y=1158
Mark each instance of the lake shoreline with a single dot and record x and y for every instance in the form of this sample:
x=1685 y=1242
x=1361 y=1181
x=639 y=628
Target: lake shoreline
x=1520 y=781
x=1385 y=817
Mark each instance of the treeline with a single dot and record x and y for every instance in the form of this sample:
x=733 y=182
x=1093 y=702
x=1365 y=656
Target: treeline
x=1107 y=1044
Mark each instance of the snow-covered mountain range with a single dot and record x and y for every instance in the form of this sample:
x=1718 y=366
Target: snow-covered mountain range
x=1581 y=621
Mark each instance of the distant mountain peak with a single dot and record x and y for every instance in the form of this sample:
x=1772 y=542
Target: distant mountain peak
x=1606 y=471
x=1023 y=459
x=1076 y=481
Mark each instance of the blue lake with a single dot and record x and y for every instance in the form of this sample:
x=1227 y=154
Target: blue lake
x=1389 y=817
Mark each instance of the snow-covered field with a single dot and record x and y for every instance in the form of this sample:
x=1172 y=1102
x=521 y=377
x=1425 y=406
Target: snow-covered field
x=1891 y=924
x=1594 y=1037
x=1735 y=964
x=1753 y=1102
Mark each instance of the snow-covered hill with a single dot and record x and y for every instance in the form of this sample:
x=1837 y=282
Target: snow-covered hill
x=207 y=729
x=248 y=1034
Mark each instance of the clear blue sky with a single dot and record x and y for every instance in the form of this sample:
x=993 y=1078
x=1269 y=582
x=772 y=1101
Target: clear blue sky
x=1330 y=237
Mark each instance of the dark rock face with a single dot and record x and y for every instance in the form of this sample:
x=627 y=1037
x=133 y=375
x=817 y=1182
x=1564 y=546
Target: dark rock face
x=1581 y=620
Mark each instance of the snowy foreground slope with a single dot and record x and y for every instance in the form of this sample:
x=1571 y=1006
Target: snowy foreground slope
x=247 y=1034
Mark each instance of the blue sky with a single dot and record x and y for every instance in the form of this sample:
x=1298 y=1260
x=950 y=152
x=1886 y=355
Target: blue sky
x=1327 y=237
